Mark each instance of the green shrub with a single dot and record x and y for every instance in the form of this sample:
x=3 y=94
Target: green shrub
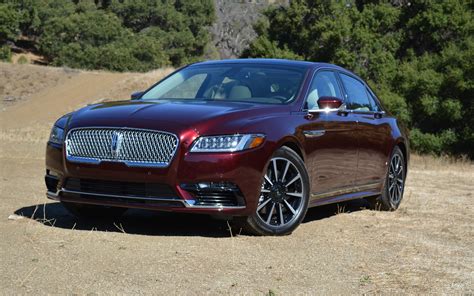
x=432 y=143
x=5 y=54
x=91 y=28
x=118 y=35
x=22 y=60
x=137 y=53
x=9 y=22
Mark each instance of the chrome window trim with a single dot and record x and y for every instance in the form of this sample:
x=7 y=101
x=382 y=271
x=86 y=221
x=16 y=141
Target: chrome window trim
x=96 y=161
x=364 y=112
x=343 y=109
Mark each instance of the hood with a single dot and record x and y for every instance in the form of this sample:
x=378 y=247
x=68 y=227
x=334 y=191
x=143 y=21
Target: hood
x=173 y=116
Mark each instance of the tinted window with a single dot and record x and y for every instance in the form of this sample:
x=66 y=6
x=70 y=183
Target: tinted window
x=188 y=88
x=357 y=97
x=373 y=101
x=324 y=85
x=270 y=84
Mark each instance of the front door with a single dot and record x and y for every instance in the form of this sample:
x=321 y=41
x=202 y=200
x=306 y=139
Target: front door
x=329 y=139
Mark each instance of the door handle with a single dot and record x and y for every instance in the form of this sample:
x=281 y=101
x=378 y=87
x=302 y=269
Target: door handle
x=314 y=133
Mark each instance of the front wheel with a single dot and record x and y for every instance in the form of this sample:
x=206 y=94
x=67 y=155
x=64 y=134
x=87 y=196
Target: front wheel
x=284 y=196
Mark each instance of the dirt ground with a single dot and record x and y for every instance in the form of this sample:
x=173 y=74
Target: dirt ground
x=426 y=247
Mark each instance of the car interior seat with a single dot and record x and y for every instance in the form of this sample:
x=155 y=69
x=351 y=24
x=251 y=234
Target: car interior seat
x=238 y=92
x=312 y=100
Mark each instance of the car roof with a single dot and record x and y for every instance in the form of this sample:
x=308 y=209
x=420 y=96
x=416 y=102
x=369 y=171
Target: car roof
x=258 y=61
x=282 y=62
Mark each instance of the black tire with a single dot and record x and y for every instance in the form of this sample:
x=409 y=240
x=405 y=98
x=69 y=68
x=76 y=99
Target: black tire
x=286 y=211
x=390 y=200
x=93 y=211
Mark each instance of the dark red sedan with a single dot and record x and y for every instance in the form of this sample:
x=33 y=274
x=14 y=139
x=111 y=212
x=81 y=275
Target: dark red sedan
x=255 y=140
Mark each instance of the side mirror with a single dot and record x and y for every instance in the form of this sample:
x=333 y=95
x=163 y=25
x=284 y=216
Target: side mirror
x=136 y=95
x=328 y=104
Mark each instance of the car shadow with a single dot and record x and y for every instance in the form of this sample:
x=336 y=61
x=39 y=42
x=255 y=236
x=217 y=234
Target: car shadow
x=145 y=222
x=132 y=222
x=327 y=211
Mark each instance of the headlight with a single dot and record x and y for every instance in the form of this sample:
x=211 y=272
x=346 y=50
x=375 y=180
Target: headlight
x=57 y=135
x=227 y=143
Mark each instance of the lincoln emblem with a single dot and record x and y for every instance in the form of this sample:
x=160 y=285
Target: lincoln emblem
x=116 y=143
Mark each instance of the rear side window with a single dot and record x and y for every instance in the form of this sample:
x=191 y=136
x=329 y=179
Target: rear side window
x=356 y=96
x=373 y=101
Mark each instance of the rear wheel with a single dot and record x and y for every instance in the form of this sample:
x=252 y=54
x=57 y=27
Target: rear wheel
x=394 y=185
x=93 y=211
x=284 y=196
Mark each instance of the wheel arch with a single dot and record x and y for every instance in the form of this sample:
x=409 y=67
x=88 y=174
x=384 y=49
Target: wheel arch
x=403 y=147
x=294 y=145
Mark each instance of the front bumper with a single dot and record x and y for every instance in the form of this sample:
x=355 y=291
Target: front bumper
x=242 y=169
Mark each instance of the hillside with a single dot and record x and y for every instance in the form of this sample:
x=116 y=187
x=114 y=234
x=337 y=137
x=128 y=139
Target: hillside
x=34 y=96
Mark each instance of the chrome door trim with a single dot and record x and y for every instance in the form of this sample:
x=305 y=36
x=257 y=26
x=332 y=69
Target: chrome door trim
x=348 y=190
x=314 y=133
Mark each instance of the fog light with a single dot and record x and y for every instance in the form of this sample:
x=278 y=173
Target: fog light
x=210 y=186
x=52 y=174
x=216 y=194
x=52 y=181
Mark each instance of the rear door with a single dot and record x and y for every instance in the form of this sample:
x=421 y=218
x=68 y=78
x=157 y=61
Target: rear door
x=329 y=139
x=373 y=132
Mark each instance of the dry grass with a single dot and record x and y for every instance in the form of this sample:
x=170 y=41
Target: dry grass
x=134 y=82
x=441 y=162
x=19 y=82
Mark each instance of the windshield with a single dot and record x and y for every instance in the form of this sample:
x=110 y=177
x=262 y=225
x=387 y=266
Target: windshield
x=267 y=84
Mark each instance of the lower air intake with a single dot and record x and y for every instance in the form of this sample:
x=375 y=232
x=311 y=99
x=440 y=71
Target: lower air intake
x=116 y=188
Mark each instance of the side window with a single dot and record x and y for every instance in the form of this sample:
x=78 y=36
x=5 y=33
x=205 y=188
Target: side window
x=357 y=97
x=324 y=85
x=373 y=101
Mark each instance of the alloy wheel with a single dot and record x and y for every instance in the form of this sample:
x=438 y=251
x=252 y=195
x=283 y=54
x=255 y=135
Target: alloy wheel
x=281 y=197
x=396 y=180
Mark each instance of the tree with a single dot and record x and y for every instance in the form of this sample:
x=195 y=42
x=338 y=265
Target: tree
x=180 y=26
x=92 y=28
x=417 y=55
x=78 y=33
x=9 y=23
x=35 y=13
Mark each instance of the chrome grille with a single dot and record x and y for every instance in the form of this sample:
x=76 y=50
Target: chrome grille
x=134 y=147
